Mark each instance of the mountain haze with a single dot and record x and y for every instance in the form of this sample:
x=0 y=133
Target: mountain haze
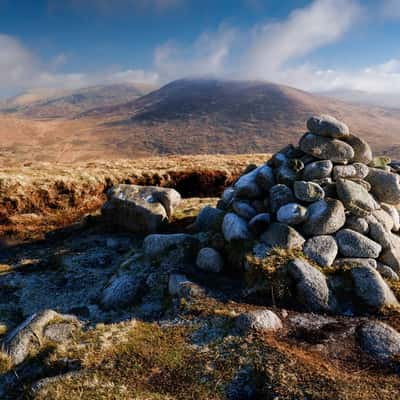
x=189 y=116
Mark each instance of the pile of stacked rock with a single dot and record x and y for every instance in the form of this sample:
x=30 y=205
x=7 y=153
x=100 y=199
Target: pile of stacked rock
x=328 y=196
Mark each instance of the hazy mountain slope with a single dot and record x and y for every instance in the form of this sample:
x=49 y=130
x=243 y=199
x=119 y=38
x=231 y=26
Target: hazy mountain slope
x=193 y=117
x=208 y=116
x=48 y=103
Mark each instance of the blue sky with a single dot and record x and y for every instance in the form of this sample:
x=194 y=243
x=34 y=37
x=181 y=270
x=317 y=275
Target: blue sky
x=317 y=45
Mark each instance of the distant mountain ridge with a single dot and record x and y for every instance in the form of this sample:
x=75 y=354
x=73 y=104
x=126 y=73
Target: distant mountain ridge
x=188 y=116
x=48 y=103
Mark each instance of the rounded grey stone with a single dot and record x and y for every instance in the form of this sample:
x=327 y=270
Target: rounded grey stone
x=280 y=195
x=321 y=249
x=352 y=171
x=326 y=125
x=246 y=186
x=209 y=219
x=391 y=257
x=355 y=262
x=326 y=148
x=392 y=211
x=265 y=177
x=387 y=272
x=371 y=288
x=209 y=260
x=121 y=291
x=292 y=214
x=258 y=320
x=385 y=185
x=357 y=224
x=283 y=236
x=259 y=223
x=324 y=217
x=354 y=244
x=308 y=191
x=379 y=340
x=355 y=198
x=244 y=210
x=235 y=228
x=362 y=150
x=318 y=170
x=311 y=287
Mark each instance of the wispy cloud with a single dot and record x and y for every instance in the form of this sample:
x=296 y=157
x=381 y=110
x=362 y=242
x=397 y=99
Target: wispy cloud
x=305 y=30
x=275 y=51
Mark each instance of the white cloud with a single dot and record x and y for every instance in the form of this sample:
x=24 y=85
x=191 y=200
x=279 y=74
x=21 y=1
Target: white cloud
x=206 y=56
x=20 y=69
x=305 y=30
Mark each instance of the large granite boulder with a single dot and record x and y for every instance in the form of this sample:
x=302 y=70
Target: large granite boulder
x=354 y=244
x=141 y=209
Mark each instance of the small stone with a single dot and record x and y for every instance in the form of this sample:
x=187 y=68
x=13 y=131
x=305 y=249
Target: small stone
x=391 y=257
x=318 y=170
x=362 y=150
x=265 y=178
x=285 y=175
x=283 y=236
x=352 y=171
x=158 y=245
x=357 y=224
x=355 y=262
x=326 y=125
x=392 y=211
x=280 y=195
x=354 y=244
x=121 y=291
x=259 y=320
x=387 y=272
x=259 y=223
x=321 y=249
x=324 y=217
x=244 y=210
x=180 y=286
x=308 y=191
x=355 y=198
x=385 y=185
x=372 y=289
x=311 y=287
x=292 y=214
x=384 y=218
x=246 y=186
x=379 y=233
x=228 y=195
x=235 y=228
x=209 y=219
x=380 y=340
x=259 y=206
x=326 y=148
x=209 y=260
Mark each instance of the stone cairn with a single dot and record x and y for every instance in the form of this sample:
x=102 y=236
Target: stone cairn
x=329 y=197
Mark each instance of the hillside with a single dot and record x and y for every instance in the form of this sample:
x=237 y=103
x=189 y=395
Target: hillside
x=184 y=117
x=42 y=103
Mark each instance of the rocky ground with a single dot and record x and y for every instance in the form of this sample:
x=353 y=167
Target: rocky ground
x=212 y=306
